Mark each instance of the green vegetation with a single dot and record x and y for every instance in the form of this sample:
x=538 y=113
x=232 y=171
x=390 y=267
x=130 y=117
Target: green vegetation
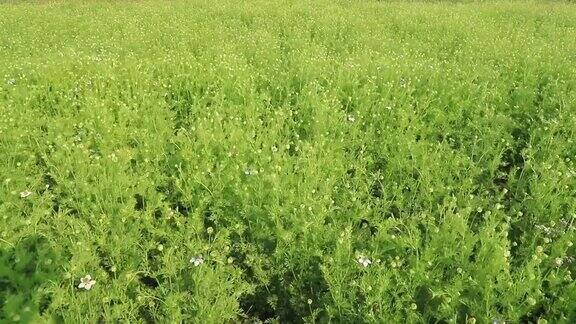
x=293 y=161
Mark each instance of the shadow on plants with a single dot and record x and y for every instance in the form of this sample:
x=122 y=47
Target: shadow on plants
x=24 y=269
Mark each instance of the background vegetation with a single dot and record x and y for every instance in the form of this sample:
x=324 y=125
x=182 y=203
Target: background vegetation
x=280 y=143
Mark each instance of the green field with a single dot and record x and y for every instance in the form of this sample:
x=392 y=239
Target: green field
x=287 y=162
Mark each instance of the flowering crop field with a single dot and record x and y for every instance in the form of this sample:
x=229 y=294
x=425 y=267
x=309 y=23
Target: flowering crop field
x=287 y=162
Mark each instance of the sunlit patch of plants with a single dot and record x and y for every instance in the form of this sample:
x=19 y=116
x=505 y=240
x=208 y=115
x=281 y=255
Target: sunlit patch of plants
x=279 y=162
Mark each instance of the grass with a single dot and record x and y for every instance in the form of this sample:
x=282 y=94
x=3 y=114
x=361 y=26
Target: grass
x=282 y=142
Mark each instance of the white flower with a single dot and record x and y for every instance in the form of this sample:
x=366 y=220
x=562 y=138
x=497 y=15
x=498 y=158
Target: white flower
x=558 y=261
x=250 y=172
x=25 y=193
x=86 y=282
x=197 y=260
x=364 y=261
x=351 y=118
x=11 y=82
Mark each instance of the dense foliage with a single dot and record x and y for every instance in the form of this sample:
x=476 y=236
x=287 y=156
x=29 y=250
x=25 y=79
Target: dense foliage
x=217 y=161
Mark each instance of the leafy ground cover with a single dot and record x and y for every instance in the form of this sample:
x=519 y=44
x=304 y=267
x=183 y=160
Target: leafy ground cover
x=290 y=161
